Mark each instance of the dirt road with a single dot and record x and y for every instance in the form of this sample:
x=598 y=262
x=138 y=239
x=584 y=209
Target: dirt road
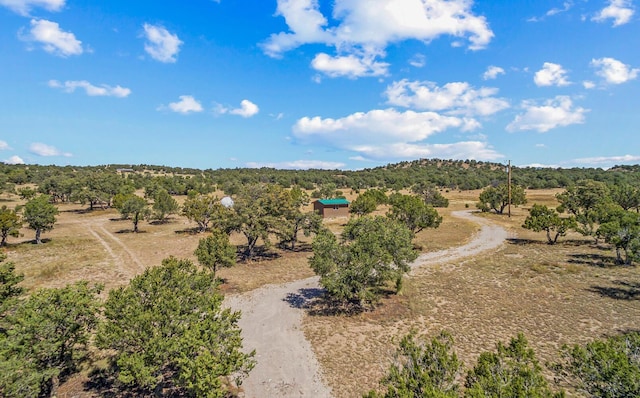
x=272 y=318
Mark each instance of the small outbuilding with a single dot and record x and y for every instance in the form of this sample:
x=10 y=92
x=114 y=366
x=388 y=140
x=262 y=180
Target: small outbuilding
x=332 y=208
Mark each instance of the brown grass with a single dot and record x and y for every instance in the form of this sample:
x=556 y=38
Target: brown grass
x=564 y=294
x=568 y=293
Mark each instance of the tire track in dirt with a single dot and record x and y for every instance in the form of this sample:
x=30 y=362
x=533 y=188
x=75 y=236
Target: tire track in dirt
x=124 y=247
x=271 y=324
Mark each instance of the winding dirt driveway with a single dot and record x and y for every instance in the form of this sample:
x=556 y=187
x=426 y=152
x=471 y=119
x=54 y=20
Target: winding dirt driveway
x=271 y=324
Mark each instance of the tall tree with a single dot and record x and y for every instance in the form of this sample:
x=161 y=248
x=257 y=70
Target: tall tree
x=47 y=339
x=164 y=205
x=203 y=208
x=167 y=329
x=216 y=251
x=497 y=198
x=430 y=194
x=10 y=224
x=542 y=218
x=372 y=252
x=136 y=208
x=423 y=370
x=413 y=212
x=295 y=220
x=368 y=201
x=621 y=228
x=626 y=196
x=259 y=212
x=40 y=215
x=585 y=201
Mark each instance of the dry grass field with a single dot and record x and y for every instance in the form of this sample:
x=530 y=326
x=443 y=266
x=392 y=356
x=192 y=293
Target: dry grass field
x=571 y=292
x=568 y=293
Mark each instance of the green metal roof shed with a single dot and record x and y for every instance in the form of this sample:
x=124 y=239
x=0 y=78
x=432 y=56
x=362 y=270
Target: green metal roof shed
x=332 y=208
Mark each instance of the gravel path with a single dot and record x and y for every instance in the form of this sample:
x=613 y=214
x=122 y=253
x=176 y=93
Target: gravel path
x=271 y=324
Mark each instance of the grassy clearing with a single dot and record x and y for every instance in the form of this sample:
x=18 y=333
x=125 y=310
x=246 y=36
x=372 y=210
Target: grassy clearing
x=563 y=294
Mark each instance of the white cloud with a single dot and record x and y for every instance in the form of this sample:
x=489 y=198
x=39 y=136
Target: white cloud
x=611 y=160
x=40 y=149
x=381 y=126
x=351 y=65
x=186 y=105
x=4 y=146
x=454 y=98
x=387 y=134
x=566 y=6
x=15 y=159
x=588 y=84
x=361 y=32
x=53 y=39
x=492 y=72
x=614 y=71
x=418 y=61
x=459 y=150
x=299 y=165
x=23 y=7
x=620 y=11
x=103 y=90
x=161 y=45
x=551 y=75
x=246 y=110
x=557 y=112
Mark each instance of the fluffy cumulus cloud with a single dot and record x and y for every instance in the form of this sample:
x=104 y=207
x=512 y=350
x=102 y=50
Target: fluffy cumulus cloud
x=351 y=65
x=186 y=105
x=614 y=71
x=40 y=149
x=161 y=44
x=620 y=11
x=492 y=72
x=363 y=32
x=387 y=134
x=94 y=91
x=299 y=165
x=15 y=159
x=4 y=146
x=247 y=109
x=24 y=7
x=458 y=98
x=551 y=75
x=557 y=112
x=53 y=39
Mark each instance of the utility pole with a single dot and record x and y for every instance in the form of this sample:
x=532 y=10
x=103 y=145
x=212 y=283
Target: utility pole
x=509 y=188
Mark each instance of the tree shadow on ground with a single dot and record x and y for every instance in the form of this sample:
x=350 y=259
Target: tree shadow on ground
x=260 y=253
x=161 y=222
x=622 y=291
x=304 y=297
x=317 y=302
x=130 y=231
x=523 y=242
x=299 y=248
x=593 y=260
x=561 y=242
x=190 y=231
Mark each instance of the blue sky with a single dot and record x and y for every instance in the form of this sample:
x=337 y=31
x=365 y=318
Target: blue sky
x=319 y=84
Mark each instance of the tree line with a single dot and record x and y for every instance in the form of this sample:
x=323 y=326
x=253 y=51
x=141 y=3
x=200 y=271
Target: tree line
x=92 y=183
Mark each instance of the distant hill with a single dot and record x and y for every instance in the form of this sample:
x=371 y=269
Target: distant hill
x=448 y=174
